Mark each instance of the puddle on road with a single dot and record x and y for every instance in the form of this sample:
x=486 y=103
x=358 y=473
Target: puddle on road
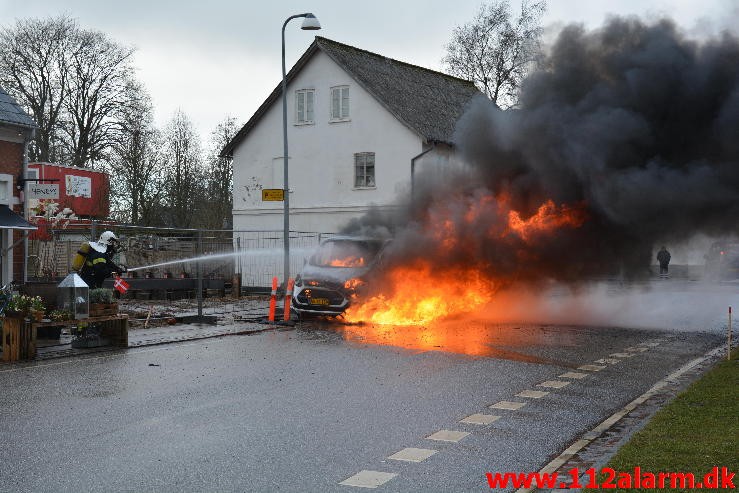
x=469 y=338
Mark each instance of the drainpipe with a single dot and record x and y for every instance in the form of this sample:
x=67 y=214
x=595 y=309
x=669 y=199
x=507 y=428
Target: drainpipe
x=413 y=164
x=26 y=142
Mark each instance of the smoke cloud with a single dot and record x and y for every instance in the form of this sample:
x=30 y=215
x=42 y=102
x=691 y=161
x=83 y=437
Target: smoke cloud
x=634 y=126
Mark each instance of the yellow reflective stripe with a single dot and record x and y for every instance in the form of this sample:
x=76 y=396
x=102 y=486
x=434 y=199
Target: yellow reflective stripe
x=98 y=261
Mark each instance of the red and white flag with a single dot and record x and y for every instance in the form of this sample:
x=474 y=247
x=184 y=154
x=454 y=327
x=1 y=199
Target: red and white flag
x=120 y=285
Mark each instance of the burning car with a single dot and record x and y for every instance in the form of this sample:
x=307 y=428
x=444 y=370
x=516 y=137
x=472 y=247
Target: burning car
x=333 y=274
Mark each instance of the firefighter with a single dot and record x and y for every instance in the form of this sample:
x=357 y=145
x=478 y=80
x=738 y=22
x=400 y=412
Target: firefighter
x=663 y=257
x=94 y=260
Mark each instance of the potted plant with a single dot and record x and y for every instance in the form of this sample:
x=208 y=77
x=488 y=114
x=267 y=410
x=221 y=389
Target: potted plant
x=37 y=308
x=102 y=302
x=18 y=306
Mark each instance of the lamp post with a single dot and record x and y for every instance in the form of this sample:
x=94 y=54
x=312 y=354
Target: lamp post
x=310 y=23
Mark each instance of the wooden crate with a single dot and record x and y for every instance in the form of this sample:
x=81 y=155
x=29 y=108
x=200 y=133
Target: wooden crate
x=19 y=340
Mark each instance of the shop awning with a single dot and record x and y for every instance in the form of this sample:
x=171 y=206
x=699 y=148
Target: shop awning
x=11 y=220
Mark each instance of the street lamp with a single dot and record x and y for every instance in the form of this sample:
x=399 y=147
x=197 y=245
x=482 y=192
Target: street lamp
x=310 y=23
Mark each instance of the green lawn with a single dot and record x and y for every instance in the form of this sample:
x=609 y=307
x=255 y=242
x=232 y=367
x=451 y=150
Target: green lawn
x=696 y=432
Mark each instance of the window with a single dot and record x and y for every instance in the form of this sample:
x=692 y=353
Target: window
x=340 y=103
x=364 y=170
x=304 y=99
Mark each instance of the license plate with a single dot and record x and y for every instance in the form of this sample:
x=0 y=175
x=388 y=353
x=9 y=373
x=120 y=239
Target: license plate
x=319 y=301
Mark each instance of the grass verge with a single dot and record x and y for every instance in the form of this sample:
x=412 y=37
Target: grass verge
x=697 y=431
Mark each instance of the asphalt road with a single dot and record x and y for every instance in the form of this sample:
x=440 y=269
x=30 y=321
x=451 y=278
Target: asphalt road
x=304 y=409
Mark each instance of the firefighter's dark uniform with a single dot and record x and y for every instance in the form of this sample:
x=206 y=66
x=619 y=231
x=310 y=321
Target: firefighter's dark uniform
x=98 y=266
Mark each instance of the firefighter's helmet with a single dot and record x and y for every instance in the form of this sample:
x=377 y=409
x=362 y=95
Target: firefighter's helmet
x=107 y=238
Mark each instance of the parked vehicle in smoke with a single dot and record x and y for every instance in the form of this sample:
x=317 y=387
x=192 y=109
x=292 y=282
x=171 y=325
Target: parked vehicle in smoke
x=332 y=276
x=722 y=261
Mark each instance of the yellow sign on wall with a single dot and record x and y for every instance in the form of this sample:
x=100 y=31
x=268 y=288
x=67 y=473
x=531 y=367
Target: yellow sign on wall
x=273 y=195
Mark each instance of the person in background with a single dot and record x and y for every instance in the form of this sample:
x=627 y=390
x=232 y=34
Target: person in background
x=94 y=260
x=663 y=257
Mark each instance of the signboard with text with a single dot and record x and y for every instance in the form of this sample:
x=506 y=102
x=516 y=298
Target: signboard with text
x=43 y=191
x=273 y=195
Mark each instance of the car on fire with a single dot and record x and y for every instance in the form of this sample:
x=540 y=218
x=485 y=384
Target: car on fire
x=333 y=275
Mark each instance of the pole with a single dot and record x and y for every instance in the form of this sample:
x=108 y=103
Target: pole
x=93 y=230
x=286 y=188
x=200 y=277
x=728 y=339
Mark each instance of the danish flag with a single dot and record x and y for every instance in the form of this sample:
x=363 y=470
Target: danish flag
x=120 y=285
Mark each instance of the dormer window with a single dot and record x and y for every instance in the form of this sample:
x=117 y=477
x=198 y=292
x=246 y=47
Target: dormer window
x=304 y=102
x=339 y=103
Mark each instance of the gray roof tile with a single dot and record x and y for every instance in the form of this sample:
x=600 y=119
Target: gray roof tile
x=11 y=113
x=427 y=102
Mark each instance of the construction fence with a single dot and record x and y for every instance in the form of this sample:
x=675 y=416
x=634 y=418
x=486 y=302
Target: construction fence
x=151 y=252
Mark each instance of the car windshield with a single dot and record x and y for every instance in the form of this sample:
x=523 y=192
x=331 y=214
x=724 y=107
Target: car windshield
x=345 y=253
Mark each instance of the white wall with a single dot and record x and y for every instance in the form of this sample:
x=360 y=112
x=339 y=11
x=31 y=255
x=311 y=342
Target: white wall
x=321 y=173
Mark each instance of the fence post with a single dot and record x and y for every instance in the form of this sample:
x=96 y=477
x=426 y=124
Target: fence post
x=93 y=230
x=200 y=277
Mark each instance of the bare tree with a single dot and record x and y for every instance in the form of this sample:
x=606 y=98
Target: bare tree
x=99 y=75
x=220 y=176
x=33 y=68
x=496 y=51
x=184 y=187
x=135 y=163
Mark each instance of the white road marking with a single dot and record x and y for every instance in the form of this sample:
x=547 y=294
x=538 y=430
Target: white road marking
x=369 y=479
x=636 y=349
x=509 y=405
x=622 y=355
x=554 y=384
x=480 y=419
x=573 y=374
x=533 y=394
x=413 y=454
x=448 y=436
x=650 y=344
x=591 y=367
x=610 y=361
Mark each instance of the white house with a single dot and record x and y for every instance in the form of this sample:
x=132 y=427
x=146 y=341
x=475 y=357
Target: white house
x=358 y=125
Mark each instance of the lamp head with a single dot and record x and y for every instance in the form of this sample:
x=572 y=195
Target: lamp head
x=310 y=23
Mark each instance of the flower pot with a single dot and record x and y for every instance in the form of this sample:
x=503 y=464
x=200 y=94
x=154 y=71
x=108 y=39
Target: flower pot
x=37 y=315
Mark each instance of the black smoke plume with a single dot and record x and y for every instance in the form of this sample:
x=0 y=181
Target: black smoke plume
x=636 y=122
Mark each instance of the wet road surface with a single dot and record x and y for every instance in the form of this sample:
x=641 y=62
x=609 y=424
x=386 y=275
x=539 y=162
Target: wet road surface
x=307 y=408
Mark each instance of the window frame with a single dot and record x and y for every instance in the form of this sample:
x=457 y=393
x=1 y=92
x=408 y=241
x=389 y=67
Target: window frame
x=340 y=89
x=304 y=92
x=364 y=166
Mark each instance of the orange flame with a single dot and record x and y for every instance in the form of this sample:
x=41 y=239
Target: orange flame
x=350 y=261
x=547 y=219
x=420 y=296
x=416 y=296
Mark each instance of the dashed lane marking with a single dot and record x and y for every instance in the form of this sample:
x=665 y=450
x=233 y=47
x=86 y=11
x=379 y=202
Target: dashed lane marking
x=413 y=454
x=610 y=361
x=591 y=367
x=480 y=419
x=369 y=479
x=533 y=394
x=447 y=436
x=554 y=384
x=622 y=355
x=573 y=374
x=509 y=405
x=636 y=349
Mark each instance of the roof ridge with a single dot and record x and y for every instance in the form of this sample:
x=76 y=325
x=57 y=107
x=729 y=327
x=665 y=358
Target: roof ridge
x=407 y=64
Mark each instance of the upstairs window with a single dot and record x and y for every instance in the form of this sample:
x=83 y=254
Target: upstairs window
x=364 y=170
x=339 y=103
x=304 y=99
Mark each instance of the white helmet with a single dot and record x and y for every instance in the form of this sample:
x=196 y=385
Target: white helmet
x=107 y=238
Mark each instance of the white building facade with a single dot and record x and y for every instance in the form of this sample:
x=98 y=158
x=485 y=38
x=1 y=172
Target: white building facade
x=353 y=143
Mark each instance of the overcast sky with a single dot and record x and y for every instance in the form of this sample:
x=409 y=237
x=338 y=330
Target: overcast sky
x=222 y=57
